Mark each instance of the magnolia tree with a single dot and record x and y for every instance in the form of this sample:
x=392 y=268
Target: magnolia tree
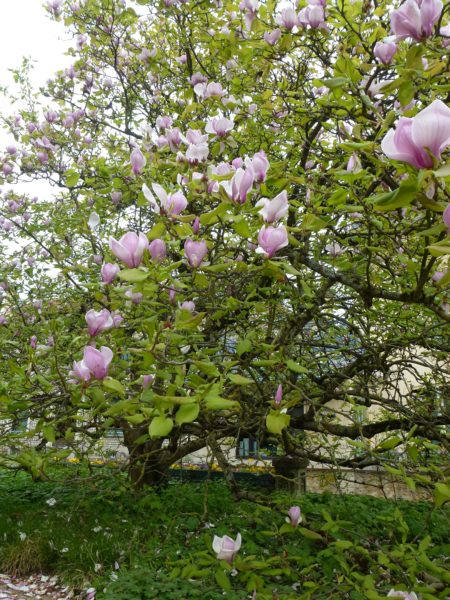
x=246 y=236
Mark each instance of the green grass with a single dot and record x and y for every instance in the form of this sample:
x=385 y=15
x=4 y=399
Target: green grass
x=161 y=542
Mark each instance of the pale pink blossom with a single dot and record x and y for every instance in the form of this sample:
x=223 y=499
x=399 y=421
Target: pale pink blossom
x=97 y=361
x=416 y=18
x=109 y=272
x=171 y=204
x=219 y=126
x=138 y=161
x=274 y=210
x=226 y=548
x=259 y=165
x=278 y=396
x=385 y=51
x=287 y=18
x=272 y=239
x=312 y=15
x=98 y=321
x=294 y=516
x=417 y=140
x=195 y=252
x=130 y=248
x=157 y=249
x=272 y=37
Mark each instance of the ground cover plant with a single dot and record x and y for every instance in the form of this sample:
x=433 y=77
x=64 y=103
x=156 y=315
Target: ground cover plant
x=245 y=235
x=159 y=544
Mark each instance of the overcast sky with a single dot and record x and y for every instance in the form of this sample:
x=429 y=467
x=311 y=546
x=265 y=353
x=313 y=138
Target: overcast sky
x=27 y=30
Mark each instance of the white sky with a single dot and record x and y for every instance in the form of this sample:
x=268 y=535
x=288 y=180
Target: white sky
x=26 y=29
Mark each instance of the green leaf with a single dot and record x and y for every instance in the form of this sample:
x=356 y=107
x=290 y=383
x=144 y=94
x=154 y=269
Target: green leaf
x=160 y=426
x=72 y=178
x=399 y=198
x=241 y=227
x=308 y=533
x=335 y=82
x=390 y=443
x=213 y=402
x=185 y=320
x=239 y=379
x=406 y=92
x=276 y=421
x=441 y=493
x=136 y=419
x=157 y=231
x=443 y=171
x=313 y=223
x=243 y=346
x=187 y=413
x=49 y=433
x=133 y=275
x=222 y=579
x=114 y=386
x=293 y=366
x=438 y=250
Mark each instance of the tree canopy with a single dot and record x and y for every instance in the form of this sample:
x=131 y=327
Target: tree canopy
x=244 y=196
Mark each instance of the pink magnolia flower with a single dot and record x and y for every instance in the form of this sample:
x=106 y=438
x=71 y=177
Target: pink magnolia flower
x=428 y=130
x=98 y=321
x=163 y=122
x=334 y=249
x=446 y=216
x=274 y=210
x=147 y=380
x=196 y=226
x=240 y=184
x=219 y=126
x=259 y=164
x=135 y=297
x=272 y=239
x=278 y=395
x=97 y=361
x=445 y=32
x=157 y=249
x=438 y=275
x=226 y=548
x=197 y=143
x=385 y=51
x=109 y=272
x=80 y=373
x=294 y=516
x=188 y=305
x=33 y=342
x=195 y=252
x=117 y=318
x=416 y=18
x=171 y=204
x=399 y=594
x=251 y=9
x=130 y=248
x=198 y=78
x=287 y=18
x=212 y=90
x=354 y=164
x=3 y=320
x=138 y=161
x=312 y=15
x=272 y=37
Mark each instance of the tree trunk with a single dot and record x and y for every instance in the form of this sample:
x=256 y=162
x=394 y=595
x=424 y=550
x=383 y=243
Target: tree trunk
x=148 y=463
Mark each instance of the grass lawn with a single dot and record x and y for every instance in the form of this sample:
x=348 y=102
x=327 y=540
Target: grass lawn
x=98 y=533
